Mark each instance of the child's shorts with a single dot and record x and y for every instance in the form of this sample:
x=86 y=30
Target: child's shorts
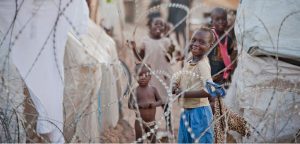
x=199 y=120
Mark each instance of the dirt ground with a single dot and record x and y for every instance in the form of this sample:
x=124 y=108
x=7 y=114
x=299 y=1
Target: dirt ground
x=124 y=131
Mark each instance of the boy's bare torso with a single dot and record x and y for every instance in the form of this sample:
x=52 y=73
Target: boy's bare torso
x=145 y=98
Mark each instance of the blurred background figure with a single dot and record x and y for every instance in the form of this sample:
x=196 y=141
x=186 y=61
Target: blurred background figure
x=175 y=16
x=154 y=14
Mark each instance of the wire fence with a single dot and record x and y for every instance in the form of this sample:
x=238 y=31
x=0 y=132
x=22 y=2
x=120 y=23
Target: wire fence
x=18 y=118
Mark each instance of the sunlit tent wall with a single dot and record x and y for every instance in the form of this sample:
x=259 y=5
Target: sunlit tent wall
x=26 y=29
x=265 y=90
x=91 y=95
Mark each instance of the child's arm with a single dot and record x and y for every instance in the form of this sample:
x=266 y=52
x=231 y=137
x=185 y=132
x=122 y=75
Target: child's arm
x=218 y=78
x=131 y=102
x=139 y=55
x=196 y=94
x=157 y=98
x=233 y=53
x=144 y=106
x=179 y=56
x=176 y=86
x=205 y=72
x=169 y=47
x=169 y=54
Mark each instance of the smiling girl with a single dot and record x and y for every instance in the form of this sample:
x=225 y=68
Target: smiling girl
x=197 y=111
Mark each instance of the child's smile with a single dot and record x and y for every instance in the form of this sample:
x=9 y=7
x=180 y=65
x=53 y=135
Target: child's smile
x=200 y=43
x=157 y=28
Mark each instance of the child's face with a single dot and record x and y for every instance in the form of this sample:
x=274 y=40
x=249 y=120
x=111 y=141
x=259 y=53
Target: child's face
x=219 y=20
x=144 y=77
x=157 y=28
x=200 y=43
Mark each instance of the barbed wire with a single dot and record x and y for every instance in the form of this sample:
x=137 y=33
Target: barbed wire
x=79 y=115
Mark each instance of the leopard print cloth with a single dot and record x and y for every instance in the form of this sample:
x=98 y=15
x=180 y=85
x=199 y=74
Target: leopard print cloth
x=234 y=122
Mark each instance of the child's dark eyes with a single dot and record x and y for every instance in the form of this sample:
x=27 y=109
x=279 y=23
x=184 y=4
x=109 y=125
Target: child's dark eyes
x=144 y=75
x=158 y=24
x=201 y=42
x=220 y=19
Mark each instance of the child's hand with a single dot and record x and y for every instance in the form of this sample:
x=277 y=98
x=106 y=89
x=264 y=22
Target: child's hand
x=131 y=44
x=179 y=56
x=144 y=106
x=155 y=104
x=171 y=49
x=218 y=78
x=175 y=89
x=215 y=89
x=152 y=105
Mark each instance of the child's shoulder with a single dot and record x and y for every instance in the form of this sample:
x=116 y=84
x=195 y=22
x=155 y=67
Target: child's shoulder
x=150 y=41
x=152 y=87
x=230 y=44
x=203 y=63
x=146 y=38
x=204 y=59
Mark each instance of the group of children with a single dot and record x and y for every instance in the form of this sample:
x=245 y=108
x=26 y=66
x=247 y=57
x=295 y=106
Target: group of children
x=198 y=104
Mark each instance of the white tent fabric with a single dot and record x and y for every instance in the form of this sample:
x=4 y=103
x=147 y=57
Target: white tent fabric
x=266 y=91
x=110 y=72
x=269 y=104
x=11 y=99
x=38 y=42
x=91 y=96
x=272 y=26
x=83 y=78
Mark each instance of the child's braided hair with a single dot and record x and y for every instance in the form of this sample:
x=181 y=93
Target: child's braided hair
x=139 y=66
x=206 y=29
x=212 y=35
